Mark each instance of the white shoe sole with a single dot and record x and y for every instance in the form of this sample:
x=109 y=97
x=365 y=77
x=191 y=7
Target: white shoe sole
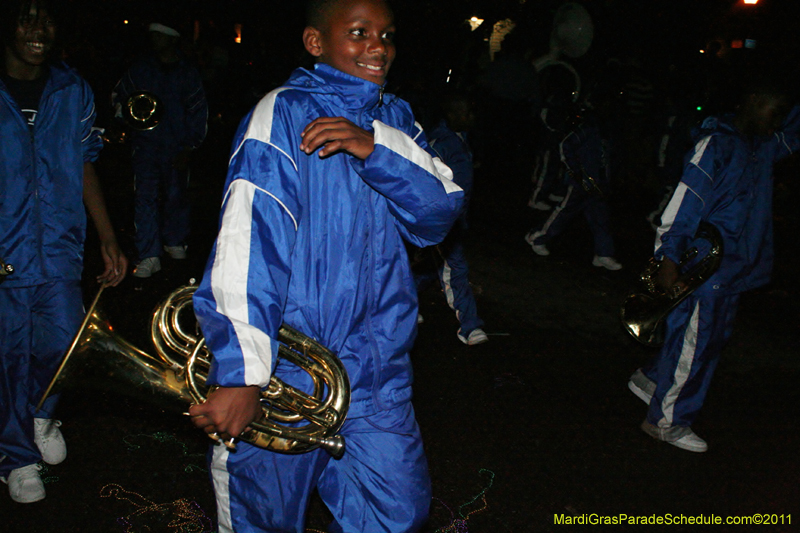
x=689 y=442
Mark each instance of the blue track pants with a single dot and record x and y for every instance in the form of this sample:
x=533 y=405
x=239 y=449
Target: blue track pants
x=162 y=211
x=381 y=484
x=36 y=328
x=697 y=330
x=594 y=209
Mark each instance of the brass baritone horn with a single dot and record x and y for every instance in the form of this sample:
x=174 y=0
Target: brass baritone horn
x=142 y=111
x=293 y=422
x=645 y=309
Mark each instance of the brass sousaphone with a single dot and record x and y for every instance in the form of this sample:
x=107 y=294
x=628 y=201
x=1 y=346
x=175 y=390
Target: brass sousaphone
x=645 y=309
x=293 y=422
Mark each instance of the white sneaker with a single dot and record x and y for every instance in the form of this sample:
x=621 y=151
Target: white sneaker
x=49 y=440
x=529 y=237
x=542 y=206
x=476 y=336
x=176 y=252
x=25 y=485
x=609 y=263
x=147 y=267
x=540 y=249
x=691 y=442
x=680 y=437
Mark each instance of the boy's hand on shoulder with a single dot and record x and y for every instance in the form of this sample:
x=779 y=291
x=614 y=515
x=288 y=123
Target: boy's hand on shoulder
x=337 y=134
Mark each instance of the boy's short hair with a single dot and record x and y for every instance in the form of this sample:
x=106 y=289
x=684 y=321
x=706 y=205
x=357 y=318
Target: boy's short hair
x=452 y=100
x=766 y=83
x=318 y=11
x=10 y=11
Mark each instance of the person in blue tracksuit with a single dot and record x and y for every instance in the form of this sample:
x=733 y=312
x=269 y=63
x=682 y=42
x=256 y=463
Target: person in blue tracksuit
x=48 y=145
x=727 y=182
x=583 y=157
x=328 y=176
x=559 y=88
x=161 y=155
x=449 y=140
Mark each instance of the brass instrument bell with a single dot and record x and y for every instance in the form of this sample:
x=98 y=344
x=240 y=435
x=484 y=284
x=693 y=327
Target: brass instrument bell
x=143 y=111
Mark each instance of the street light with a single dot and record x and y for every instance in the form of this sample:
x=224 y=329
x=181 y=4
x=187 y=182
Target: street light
x=751 y=2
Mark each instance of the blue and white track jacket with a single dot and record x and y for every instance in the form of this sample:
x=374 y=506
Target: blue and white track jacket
x=42 y=217
x=727 y=181
x=318 y=243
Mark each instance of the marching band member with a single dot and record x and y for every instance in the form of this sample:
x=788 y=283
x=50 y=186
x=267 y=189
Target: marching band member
x=327 y=177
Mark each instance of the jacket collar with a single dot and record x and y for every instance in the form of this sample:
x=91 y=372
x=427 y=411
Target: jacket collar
x=59 y=75
x=349 y=91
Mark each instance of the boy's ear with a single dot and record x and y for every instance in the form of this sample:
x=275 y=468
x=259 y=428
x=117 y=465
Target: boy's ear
x=312 y=39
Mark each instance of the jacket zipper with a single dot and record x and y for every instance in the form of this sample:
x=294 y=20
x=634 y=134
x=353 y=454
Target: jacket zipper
x=36 y=198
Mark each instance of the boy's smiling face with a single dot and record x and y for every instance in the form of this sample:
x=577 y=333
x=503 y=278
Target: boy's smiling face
x=357 y=38
x=32 y=40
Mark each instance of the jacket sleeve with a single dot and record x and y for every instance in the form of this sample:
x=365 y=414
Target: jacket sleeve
x=240 y=301
x=196 y=110
x=685 y=210
x=788 y=136
x=91 y=140
x=451 y=151
x=420 y=190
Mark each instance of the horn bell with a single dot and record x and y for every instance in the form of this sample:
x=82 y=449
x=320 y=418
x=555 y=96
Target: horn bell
x=143 y=110
x=99 y=358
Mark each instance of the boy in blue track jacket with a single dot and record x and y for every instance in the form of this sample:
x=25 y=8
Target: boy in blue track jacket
x=727 y=181
x=328 y=176
x=47 y=177
x=449 y=141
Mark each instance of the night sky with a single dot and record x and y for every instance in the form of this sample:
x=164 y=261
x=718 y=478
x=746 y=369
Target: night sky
x=433 y=37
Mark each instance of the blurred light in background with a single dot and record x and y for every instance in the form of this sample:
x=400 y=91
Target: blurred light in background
x=474 y=22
